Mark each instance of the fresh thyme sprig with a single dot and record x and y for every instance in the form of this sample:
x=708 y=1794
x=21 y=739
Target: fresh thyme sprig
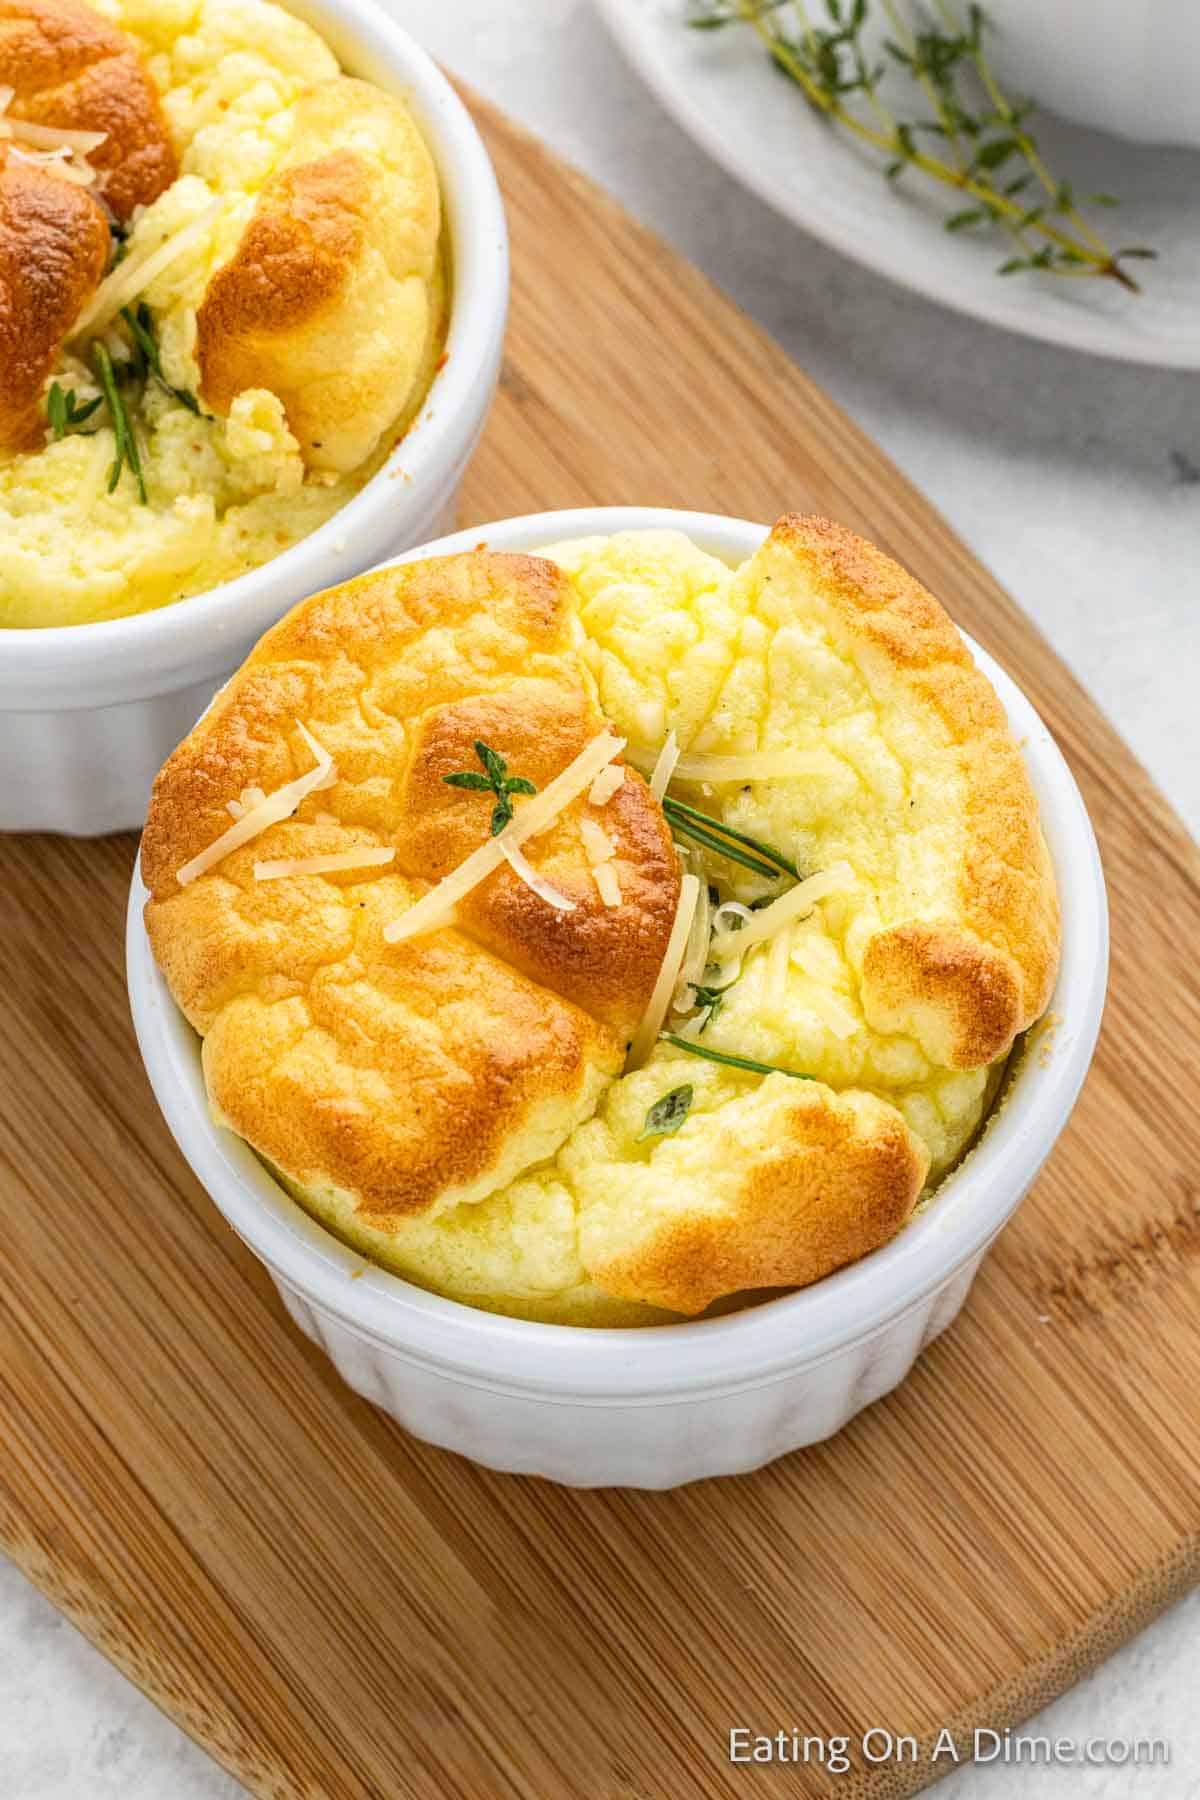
x=989 y=154
x=732 y=1062
x=495 y=779
x=141 y=328
x=65 y=413
x=127 y=450
x=764 y=859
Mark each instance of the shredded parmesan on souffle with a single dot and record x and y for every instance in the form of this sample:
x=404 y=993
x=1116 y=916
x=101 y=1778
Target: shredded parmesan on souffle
x=271 y=811
x=646 y=1035
x=280 y=868
x=545 y=890
x=535 y=816
x=664 y=767
x=608 y=883
x=607 y=783
x=790 y=906
x=127 y=280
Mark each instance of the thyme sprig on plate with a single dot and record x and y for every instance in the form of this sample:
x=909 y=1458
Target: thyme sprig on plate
x=495 y=779
x=127 y=451
x=977 y=142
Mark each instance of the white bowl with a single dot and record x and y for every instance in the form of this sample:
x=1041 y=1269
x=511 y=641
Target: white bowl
x=666 y=1404
x=88 y=713
x=1125 y=66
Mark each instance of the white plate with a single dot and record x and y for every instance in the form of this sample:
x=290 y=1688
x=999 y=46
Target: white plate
x=722 y=89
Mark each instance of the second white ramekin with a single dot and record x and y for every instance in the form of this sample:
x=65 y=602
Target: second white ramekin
x=1123 y=66
x=88 y=713
x=663 y=1405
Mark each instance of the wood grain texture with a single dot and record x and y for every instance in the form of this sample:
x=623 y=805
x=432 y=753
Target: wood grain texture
x=338 y=1612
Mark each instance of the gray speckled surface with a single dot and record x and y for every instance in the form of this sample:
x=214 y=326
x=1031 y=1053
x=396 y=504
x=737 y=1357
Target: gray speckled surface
x=1077 y=481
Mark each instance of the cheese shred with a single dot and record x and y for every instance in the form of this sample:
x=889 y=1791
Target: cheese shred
x=331 y=864
x=545 y=890
x=782 y=912
x=664 y=767
x=271 y=811
x=647 y=1032
x=535 y=816
x=138 y=270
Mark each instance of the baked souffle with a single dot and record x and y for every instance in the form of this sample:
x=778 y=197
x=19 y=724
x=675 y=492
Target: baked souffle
x=222 y=295
x=597 y=935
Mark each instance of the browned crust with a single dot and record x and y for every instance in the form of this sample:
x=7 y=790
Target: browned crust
x=54 y=247
x=837 y=1181
x=967 y=985
x=291 y=263
x=70 y=67
x=404 y=1105
x=455 y=1046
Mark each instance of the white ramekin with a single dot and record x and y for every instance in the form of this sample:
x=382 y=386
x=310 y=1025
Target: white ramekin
x=664 y=1405
x=88 y=713
x=1124 y=66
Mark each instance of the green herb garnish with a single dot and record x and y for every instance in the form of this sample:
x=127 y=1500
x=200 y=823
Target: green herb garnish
x=710 y=1000
x=689 y=821
x=141 y=329
x=127 y=450
x=732 y=1062
x=974 y=140
x=495 y=779
x=65 y=413
x=667 y=1115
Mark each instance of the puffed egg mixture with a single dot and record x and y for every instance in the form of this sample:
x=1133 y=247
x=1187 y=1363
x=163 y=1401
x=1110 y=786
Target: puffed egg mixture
x=222 y=296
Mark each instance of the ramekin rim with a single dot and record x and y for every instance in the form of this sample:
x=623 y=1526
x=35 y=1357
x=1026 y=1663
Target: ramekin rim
x=722 y=1352
x=245 y=605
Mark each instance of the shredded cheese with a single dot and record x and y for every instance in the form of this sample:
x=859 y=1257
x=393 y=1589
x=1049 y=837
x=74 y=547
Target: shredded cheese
x=647 y=1032
x=129 y=278
x=332 y=863
x=607 y=783
x=597 y=844
x=839 y=1019
x=664 y=766
x=608 y=883
x=7 y=95
x=778 y=955
x=790 y=906
x=271 y=811
x=545 y=890
x=534 y=817
x=54 y=137
x=695 y=959
x=758 y=765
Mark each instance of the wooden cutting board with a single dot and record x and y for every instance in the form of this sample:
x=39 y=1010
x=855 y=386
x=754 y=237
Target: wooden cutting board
x=337 y=1611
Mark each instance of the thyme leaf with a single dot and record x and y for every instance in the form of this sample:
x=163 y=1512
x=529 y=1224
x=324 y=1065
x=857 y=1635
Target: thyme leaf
x=495 y=779
x=141 y=329
x=667 y=1115
x=65 y=413
x=127 y=451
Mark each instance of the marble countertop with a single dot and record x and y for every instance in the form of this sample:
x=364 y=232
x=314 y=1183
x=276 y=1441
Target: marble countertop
x=1076 y=481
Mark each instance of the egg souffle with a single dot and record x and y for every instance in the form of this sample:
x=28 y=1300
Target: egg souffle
x=222 y=296
x=593 y=936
